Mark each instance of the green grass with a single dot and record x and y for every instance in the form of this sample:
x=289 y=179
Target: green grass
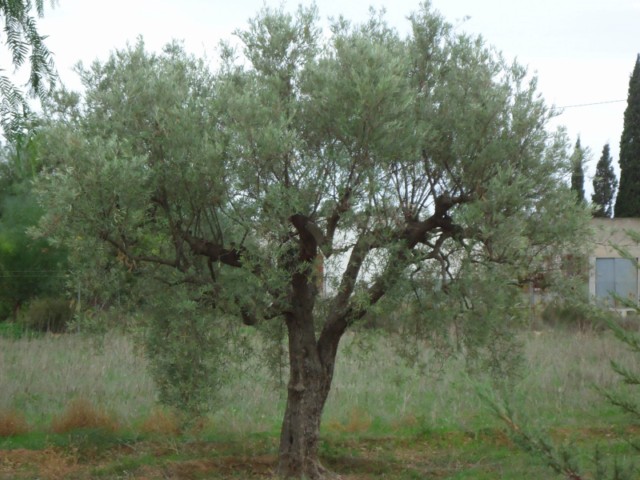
x=14 y=330
x=383 y=419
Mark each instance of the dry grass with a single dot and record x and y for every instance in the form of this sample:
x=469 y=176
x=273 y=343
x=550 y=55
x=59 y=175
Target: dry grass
x=80 y=413
x=373 y=397
x=57 y=465
x=40 y=378
x=358 y=421
x=161 y=422
x=12 y=423
x=47 y=464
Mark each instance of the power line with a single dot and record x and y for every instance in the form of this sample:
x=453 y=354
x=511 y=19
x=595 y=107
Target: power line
x=32 y=273
x=592 y=104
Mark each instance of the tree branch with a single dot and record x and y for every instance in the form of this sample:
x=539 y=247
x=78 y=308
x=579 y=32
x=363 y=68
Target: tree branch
x=213 y=251
x=311 y=237
x=138 y=258
x=343 y=311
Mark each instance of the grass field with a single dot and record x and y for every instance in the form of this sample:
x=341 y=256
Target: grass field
x=86 y=409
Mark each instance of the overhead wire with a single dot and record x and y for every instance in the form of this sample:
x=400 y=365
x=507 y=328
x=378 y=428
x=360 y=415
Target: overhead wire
x=592 y=104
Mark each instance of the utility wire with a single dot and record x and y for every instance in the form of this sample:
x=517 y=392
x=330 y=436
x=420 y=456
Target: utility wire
x=33 y=276
x=592 y=104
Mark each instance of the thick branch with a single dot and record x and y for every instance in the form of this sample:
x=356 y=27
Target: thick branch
x=213 y=251
x=311 y=237
x=337 y=321
x=417 y=232
x=343 y=310
x=342 y=206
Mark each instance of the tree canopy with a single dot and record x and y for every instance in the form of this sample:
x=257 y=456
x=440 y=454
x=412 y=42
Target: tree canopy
x=604 y=185
x=578 y=159
x=414 y=169
x=628 y=199
x=28 y=267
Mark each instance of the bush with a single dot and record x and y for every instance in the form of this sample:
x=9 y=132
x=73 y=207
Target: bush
x=47 y=315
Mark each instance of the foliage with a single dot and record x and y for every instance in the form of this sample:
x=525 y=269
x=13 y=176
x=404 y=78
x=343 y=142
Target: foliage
x=628 y=200
x=24 y=44
x=604 y=186
x=413 y=169
x=47 y=315
x=189 y=355
x=28 y=267
x=578 y=159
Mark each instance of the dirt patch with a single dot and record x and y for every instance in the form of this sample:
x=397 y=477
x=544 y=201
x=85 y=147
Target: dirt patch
x=48 y=464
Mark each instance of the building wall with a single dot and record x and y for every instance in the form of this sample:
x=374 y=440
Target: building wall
x=610 y=233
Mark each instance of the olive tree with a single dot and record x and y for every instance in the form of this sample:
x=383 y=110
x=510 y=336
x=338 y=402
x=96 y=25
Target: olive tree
x=406 y=166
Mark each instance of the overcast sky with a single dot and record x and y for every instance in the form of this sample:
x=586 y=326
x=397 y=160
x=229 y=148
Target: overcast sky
x=583 y=51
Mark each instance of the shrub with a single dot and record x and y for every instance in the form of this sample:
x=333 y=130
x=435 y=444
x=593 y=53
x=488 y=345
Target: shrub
x=47 y=315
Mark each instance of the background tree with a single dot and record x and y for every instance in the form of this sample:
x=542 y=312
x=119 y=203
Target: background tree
x=25 y=44
x=578 y=159
x=628 y=200
x=28 y=267
x=604 y=186
x=418 y=169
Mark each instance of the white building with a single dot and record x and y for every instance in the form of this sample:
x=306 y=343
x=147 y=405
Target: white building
x=613 y=272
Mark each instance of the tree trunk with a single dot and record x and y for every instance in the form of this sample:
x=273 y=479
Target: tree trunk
x=301 y=431
x=311 y=372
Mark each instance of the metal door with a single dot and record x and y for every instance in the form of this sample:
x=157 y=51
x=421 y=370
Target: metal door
x=616 y=277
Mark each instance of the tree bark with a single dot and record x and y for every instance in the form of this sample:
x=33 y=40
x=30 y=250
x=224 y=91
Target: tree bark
x=310 y=376
x=307 y=392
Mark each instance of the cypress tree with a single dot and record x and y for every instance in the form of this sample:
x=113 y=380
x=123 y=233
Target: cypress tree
x=577 y=170
x=628 y=201
x=604 y=185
